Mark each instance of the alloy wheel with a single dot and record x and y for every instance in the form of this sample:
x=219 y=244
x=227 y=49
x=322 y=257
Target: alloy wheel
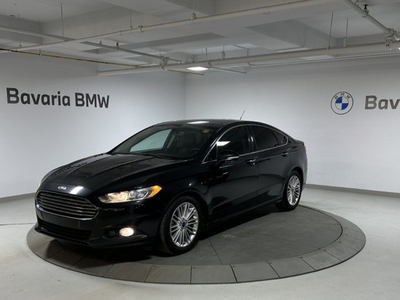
x=184 y=224
x=293 y=190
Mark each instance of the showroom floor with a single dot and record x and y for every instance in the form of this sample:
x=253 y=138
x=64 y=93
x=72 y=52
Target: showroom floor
x=262 y=245
x=371 y=274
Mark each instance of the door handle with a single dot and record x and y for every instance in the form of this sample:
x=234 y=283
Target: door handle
x=286 y=153
x=251 y=161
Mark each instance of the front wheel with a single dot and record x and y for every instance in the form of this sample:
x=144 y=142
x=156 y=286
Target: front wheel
x=180 y=226
x=292 y=193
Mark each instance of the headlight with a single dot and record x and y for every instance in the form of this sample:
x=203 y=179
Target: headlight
x=126 y=196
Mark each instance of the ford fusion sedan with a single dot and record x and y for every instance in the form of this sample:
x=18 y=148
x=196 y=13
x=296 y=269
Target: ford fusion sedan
x=170 y=181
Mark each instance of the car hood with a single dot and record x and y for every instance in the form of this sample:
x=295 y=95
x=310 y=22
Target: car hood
x=101 y=170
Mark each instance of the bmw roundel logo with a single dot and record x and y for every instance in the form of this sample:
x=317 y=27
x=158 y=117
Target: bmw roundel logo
x=342 y=103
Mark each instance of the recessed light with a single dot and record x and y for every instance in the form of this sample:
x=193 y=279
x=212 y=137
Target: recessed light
x=197 y=68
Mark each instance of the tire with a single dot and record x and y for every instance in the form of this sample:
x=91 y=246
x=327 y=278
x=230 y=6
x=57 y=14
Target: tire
x=180 y=226
x=291 y=193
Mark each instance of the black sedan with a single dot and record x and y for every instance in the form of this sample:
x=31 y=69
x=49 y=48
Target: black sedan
x=170 y=181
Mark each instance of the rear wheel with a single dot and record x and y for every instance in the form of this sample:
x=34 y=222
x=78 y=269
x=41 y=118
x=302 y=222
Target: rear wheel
x=292 y=192
x=180 y=226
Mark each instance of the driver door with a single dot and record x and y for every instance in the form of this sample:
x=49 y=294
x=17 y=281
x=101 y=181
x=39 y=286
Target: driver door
x=234 y=181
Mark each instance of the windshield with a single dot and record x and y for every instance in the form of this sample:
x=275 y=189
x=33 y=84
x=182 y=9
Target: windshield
x=167 y=141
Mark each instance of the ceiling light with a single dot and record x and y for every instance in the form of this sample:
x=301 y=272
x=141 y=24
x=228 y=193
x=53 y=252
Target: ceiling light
x=197 y=68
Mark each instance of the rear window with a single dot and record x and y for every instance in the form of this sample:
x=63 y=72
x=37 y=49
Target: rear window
x=267 y=138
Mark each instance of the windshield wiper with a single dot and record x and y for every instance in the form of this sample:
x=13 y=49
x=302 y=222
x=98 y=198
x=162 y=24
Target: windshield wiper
x=153 y=155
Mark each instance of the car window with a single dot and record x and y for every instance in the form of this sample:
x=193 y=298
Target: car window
x=267 y=138
x=282 y=139
x=179 y=142
x=234 y=141
x=153 y=142
x=186 y=142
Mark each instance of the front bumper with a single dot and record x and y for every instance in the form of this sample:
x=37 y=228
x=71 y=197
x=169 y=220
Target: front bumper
x=102 y=231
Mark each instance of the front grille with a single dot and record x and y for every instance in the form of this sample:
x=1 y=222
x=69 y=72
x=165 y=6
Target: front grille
x=66 y=205
x=65 y=232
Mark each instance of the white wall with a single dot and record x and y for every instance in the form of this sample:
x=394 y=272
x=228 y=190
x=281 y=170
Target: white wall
x=357 y=150
x=36 y=138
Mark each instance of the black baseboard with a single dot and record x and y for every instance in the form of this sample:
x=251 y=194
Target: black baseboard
x=352 y=190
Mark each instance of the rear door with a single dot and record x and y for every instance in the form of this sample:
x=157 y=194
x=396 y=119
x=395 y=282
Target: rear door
x=273 y=160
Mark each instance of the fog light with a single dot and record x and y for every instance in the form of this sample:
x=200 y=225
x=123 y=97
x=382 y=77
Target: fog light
x=126 y=232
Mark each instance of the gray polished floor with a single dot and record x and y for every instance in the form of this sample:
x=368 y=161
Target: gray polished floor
x=263 y=245
x=371 y=274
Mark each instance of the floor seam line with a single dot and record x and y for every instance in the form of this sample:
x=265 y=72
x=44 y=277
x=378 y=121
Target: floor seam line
x=11 y=224
x=215 y=252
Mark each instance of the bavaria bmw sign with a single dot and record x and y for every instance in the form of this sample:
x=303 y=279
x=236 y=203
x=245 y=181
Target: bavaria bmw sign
x=342 y=103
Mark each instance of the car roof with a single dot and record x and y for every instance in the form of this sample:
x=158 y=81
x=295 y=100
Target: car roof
x=215 y=123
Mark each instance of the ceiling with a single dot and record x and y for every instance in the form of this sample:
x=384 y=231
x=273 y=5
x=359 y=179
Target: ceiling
x=128 y=36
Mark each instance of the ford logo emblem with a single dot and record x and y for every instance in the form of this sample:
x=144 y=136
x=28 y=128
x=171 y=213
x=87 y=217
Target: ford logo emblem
x=62 y=188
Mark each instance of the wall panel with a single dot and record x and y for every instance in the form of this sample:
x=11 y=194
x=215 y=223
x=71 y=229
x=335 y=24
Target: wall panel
x=34 y=138
x=355 y=150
